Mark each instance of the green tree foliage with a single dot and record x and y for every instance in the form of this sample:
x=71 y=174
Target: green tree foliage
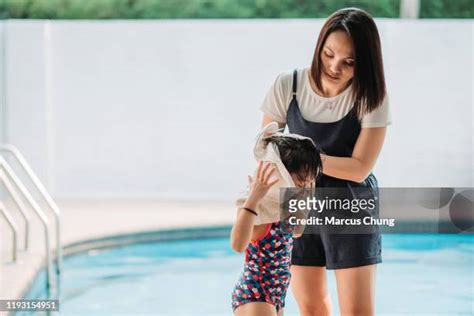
x=447 y=9
x=209 y=9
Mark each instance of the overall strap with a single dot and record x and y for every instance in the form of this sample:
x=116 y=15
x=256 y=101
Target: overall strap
x=295 y=73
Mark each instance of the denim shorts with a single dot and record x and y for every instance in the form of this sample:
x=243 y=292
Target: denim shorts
x=337 y=251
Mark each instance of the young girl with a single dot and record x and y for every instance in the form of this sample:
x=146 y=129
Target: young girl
x=261 y=289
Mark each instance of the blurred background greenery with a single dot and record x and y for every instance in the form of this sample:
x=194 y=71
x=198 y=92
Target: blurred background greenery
x=208 y=9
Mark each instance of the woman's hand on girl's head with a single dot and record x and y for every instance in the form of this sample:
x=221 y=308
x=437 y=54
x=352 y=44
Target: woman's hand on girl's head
x=262 y=182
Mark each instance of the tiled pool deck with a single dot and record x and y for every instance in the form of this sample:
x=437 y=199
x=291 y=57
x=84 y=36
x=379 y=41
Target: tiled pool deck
x=92 y=220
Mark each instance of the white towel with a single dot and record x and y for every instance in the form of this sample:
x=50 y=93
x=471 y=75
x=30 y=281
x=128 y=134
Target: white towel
x=269 y=207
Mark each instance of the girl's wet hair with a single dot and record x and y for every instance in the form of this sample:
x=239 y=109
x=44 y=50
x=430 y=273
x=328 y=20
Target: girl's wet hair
x=300 y=156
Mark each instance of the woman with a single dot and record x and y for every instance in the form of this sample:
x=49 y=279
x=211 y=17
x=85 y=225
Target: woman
x=340 y=102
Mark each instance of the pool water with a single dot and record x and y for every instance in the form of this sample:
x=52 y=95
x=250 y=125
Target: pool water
x=420 y=274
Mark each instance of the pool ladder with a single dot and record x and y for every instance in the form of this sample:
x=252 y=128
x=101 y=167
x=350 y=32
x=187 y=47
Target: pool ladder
x=13 y=186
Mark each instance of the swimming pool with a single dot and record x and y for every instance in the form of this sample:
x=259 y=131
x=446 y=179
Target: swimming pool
x=421 y=274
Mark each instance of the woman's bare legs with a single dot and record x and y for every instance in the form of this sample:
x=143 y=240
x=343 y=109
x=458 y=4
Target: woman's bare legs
x=356 y=290
x=310 y=290
x=256 y=309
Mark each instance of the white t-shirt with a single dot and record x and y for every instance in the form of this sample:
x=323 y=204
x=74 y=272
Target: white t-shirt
x=314 y=107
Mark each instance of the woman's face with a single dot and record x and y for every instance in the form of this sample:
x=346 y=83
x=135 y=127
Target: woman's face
x=337 y=57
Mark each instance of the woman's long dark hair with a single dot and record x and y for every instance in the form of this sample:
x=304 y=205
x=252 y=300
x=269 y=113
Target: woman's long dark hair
x=369 y=79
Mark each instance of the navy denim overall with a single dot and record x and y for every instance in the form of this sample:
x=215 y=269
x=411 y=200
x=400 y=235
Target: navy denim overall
x=335 y=251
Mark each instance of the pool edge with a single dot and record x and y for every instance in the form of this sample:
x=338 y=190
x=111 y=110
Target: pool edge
x=116 y=240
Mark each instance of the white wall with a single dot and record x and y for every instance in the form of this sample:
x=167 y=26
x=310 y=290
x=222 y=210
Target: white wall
x=170 y=109
x=2 y=84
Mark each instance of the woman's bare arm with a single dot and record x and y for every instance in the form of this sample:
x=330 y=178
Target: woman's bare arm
x=267 y=119
x=365 y=154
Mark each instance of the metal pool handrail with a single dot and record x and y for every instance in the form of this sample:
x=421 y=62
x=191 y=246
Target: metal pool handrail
x=44 y=193
x=19 y=204
x=7 y=170
x=13 y=226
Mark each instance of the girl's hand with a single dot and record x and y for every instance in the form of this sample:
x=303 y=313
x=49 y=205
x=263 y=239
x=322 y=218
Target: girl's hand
x=261 y=184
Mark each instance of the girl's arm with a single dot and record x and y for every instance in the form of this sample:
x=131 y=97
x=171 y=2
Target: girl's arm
x=358 y=167
x=242 y=230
